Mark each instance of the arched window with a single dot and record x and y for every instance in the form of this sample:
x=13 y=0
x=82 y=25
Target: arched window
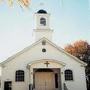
x=43 y=21
x=68 y=75
x=19 y=76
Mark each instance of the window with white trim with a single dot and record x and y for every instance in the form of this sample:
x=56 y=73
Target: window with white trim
x=19 y=76
x=68 y=75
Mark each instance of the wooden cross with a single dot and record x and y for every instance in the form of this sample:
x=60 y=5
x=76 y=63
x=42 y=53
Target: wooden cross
x=47 y=63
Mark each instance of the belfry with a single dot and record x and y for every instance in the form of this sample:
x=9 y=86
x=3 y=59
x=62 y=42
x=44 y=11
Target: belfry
x=43 y=25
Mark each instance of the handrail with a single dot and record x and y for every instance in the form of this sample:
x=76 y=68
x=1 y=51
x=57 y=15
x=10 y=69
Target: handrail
x=65 y=86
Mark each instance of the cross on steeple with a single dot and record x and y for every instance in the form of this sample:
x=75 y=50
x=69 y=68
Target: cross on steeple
x=47 y=63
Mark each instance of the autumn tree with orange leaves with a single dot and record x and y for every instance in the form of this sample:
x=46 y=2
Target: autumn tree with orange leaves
x=78 y=49
x=81 y=50
x=21 y=3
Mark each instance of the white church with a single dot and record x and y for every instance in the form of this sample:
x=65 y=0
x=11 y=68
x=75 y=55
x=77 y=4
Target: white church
x=43 y=65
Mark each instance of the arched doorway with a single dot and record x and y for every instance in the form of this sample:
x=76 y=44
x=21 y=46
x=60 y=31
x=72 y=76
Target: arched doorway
x=46 y=79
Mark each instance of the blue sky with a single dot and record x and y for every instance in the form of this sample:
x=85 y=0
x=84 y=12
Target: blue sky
x=70 y=20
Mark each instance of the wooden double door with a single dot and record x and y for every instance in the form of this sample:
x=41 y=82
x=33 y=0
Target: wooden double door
x=44 y=81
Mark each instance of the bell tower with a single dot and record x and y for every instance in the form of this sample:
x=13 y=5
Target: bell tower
x=42 y=25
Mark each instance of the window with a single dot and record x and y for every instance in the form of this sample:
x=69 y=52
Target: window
x=43 y=50
x=43 y=21
x=68 y=75
x=43 y=42
x=20 y=76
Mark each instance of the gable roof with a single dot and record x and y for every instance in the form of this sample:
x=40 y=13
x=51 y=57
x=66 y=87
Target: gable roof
x=51 y=43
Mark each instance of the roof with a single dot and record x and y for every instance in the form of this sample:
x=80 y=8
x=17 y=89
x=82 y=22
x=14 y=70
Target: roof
x=42 y=11
x=34 y=44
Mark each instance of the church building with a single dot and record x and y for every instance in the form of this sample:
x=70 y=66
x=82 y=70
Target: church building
x=43 y=65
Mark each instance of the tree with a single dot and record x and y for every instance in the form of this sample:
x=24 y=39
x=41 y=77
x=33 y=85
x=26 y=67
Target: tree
x=21 y=3
x=81 y=49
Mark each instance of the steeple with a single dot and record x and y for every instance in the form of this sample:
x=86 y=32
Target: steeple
x=42 y=25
